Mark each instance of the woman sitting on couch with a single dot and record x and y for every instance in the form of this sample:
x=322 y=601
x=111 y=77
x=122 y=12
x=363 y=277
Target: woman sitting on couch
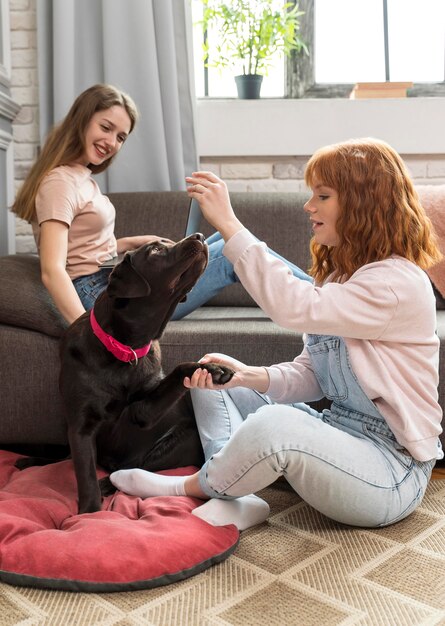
x=73 y=222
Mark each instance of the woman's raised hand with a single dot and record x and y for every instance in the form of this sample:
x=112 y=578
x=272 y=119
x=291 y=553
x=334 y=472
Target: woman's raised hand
x=212 y=194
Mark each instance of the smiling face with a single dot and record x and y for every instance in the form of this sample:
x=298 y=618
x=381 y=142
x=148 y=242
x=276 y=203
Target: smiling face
x=323 y=210
x=105 y=135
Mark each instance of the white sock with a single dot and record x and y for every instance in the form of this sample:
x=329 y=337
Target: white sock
x=244 y=512
x=139 y=482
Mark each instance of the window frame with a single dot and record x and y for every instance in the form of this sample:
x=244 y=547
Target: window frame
x=300 y=69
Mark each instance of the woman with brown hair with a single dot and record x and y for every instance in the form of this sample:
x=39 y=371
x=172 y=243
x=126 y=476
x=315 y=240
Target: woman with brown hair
x=370 y=348
x=73 y=222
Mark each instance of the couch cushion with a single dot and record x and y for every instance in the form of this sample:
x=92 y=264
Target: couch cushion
x=151 y=213
x=31 y=407
x=130 y=544
x=432 y=198
x=24 y=301
x=245 y=333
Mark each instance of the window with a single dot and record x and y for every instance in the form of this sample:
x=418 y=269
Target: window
x=376 y=40
x=349 y=41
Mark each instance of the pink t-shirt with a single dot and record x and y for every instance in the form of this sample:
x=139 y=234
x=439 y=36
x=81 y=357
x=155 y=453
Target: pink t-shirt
x=386 y=314
x=69 y=194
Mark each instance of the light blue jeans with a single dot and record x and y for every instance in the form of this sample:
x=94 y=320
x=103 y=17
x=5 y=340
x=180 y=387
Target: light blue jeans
x=345 y=462
x=218 y=274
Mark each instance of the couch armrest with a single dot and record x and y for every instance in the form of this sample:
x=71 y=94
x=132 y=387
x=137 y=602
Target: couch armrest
x=24 y=301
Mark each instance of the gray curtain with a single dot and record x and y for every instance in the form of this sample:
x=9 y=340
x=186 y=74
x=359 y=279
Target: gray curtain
x=144 y=47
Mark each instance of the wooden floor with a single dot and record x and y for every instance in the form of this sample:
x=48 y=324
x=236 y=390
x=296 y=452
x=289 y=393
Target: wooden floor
x=439 y=471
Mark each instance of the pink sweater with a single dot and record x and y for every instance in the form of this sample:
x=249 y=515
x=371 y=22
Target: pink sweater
x=387 y=316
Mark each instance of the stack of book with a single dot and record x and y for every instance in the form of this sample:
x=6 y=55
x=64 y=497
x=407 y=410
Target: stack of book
x=380 y=90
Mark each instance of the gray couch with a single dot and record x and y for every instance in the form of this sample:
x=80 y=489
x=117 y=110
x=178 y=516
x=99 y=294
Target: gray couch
x=31 y=411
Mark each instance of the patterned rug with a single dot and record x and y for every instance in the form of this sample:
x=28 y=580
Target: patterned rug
x=298 y=568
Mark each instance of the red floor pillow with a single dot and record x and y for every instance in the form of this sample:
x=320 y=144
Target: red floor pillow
x=130 y=544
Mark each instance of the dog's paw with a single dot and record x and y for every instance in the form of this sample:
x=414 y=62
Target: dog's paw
x=220 y=373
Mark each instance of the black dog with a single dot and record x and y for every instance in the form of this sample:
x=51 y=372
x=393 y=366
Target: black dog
x=121 y=410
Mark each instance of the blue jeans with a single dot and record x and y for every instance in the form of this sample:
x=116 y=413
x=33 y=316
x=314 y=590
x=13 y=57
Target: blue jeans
x=218 y=274
x=345 y=462
x=89 y=287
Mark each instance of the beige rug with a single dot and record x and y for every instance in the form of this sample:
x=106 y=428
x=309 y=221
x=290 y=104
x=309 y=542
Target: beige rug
x=298 y=569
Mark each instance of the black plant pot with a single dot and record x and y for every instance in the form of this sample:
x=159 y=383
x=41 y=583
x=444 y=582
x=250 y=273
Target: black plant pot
x=248 y=86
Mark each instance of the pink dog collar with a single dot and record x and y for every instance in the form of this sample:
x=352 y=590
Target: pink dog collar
x=119 y=350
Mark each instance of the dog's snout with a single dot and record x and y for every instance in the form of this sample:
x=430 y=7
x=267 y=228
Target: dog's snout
x=199 y=236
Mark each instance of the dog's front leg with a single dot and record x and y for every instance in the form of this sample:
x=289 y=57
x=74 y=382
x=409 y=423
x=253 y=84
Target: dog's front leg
x=147 y=411
x=84 y=459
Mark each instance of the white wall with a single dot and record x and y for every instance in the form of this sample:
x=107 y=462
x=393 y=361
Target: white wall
x=264 y=145
x=277 y=127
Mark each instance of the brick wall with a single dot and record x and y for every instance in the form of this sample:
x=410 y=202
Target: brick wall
x=24 y=90
x=286 y=173
x=241 y=173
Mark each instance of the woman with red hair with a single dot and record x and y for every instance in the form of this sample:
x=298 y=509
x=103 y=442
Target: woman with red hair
x=370 y=348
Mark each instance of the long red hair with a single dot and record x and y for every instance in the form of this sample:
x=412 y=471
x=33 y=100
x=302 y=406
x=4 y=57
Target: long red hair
x=380 y=212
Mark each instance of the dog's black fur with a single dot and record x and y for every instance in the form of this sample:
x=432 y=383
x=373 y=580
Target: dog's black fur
x=124 y=415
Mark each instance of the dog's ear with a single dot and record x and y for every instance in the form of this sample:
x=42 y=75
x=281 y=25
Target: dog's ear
x=125 y=282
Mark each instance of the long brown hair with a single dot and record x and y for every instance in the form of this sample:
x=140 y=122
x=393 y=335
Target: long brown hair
x=66 y=141
x=380 y=212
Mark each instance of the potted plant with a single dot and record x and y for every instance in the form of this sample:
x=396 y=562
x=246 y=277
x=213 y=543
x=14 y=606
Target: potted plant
x=245 y=34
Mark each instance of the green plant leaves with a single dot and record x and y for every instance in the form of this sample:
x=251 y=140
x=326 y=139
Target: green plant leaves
x=250 y=33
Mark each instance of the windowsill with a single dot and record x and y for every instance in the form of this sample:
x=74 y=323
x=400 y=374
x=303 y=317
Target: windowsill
x=280 y=126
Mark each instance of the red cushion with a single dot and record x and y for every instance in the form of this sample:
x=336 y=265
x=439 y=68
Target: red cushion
x=130 y=544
